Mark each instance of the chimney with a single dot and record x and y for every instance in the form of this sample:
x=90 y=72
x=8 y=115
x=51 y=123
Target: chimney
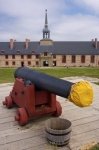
x=96 y=43
x=27 y=43
x=12 y=43
x=92 y=41
x=93 y=44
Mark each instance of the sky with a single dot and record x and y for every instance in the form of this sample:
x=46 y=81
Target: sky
x=68 y=20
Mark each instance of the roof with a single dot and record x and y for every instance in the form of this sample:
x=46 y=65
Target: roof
x=58 y=47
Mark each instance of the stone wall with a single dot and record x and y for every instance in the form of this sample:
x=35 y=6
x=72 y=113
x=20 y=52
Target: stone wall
x=34 y=61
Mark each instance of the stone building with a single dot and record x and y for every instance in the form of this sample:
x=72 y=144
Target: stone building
x=47 y=52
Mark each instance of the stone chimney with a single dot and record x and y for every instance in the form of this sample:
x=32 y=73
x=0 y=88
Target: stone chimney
x=12 y=43
x=27 y=43
x=92 y=41
x=96 y=43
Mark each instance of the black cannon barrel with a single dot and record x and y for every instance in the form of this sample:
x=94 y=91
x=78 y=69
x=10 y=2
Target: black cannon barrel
x=45 y=82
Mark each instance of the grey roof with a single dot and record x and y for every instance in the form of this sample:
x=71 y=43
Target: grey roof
x=58 y=47
x=76 y=48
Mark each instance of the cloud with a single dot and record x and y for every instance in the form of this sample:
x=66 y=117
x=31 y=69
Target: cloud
x=29 y=8
x=90 y=5
x=77 y=27
x=26 y=17
x=67 y=20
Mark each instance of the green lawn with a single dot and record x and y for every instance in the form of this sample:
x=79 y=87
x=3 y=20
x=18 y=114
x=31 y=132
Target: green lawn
x=96 y=147
x=6 y=74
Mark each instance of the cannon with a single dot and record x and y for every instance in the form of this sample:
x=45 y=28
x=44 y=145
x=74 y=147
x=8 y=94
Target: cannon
x=35 y=94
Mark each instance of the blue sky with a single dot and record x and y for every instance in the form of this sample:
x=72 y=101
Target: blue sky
x=69 y=20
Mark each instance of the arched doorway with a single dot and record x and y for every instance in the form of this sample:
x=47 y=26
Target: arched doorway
x=45 y=63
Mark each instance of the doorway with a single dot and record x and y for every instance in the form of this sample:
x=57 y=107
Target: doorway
x=54 y=63
x=45 y=63
x=22 y=63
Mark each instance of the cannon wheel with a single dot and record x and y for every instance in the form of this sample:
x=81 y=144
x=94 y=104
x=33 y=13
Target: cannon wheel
x=8 y=102
x=58 y=111
x=22 y=116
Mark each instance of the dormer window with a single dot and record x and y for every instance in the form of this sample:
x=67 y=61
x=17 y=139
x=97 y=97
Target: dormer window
x=2 y=51
x=18 y=51
x=33 y=52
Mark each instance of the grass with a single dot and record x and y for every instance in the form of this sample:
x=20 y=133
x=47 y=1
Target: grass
x=96 y=147
x=6 y=74
x=96 y=83
x=66 y=72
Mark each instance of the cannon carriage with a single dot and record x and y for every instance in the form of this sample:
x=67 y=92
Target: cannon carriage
x=35 y=94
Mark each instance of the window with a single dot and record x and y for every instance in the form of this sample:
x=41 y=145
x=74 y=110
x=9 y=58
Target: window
x=83 y=59
x=13 y=56
x=13 y=63
x=18 y=51
x=2 y=51
x=29 y=56
x=7 y=63
x=29 y=62
x=54 y=56
x=37 y=56
x=73 y=59
x=22 y=56
x=22 y=63
x=33 y=52
x=37 y=63
x=6 y=56
x=45 y=53
x=92 y=59
x=63 y=59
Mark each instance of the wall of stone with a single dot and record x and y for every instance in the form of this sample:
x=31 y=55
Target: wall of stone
x=39 y=61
